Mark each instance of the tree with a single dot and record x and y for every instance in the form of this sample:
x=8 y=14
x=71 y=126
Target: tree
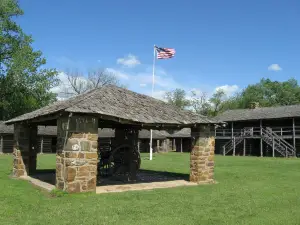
x=177 y=98
x=24 y=86
x=199 y=103
x=79 y=84
x=266 y=93
x=216 y=101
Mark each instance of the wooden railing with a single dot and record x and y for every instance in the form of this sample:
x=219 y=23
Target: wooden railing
x=280 y=131
x=271 y=138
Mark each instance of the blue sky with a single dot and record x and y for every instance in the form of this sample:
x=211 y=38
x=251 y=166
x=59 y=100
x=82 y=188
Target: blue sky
x=218 y=43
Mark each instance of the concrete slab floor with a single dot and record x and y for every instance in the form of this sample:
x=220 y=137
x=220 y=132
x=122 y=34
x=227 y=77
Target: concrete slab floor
x=146 y=180
x=142 y=186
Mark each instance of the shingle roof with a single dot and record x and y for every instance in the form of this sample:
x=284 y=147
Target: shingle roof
x=6 y=129
x=145 y=134
x=260 y=113
x=120 y=103
x=183 y=133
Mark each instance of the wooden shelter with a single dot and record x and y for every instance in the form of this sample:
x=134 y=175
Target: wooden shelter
x=78 y=119
x=269 y=131
x=159 y=141
x=181 y=140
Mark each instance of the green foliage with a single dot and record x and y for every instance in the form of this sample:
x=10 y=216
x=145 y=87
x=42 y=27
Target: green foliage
x=267 y=93
x=58 y=193
x=177 y=98
x=24 y=85
x=200 y=104
x=197 y=102
x=216 y=100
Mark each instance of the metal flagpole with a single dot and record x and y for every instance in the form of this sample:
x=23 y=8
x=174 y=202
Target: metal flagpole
x=153 y=72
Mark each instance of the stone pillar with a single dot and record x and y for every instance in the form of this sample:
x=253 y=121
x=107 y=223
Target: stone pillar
x=24 y=150
x=202 y=154
x=76 y=157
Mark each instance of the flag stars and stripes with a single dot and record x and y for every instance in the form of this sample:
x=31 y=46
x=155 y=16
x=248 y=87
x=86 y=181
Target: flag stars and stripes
x=165 y=53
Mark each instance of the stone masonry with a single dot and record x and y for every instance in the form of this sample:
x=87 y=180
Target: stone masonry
x=77 y=158
x=24 y=150
x=202 y=155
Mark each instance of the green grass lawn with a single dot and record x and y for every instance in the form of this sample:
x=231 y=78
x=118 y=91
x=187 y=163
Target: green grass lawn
x=249 y=191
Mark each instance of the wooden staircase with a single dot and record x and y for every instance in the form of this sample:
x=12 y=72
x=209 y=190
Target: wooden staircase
x=268 y=136
x=236 y=140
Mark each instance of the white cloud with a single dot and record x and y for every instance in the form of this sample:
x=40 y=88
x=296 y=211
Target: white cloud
x=228 y=89
x=143 y=85
x=119 y=74
x=129 y=61
x=161 y=79
x=274 y=67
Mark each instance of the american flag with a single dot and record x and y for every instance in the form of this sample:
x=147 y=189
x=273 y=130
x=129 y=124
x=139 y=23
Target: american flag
x=165 y=53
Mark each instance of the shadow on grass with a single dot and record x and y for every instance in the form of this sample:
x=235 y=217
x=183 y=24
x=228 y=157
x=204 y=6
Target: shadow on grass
x=143 y=176
x=45 y=175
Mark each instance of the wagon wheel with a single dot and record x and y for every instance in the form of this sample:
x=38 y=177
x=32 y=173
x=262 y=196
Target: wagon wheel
x=124 y=161
x=103 y=165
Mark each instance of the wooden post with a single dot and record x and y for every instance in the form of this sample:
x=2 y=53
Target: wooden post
x=232 y=130
x=286 y=152
x=261 y=140
x=1 y=145
x=224 y=153
x=233 y=153
x=181 y=145
x=174 y=143
x=157 y=145
x=273 y=147
x=164 y=145
x=244 y=150
x=138 y=145
x=42 y=144
x=233 y=139
x=294 y=136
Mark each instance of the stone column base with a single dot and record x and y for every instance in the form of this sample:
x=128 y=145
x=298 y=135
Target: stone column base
x=19 y=168
x=76 y=171
x=202 y=156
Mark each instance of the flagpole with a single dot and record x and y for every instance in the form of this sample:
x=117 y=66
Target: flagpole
x=153 y=72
